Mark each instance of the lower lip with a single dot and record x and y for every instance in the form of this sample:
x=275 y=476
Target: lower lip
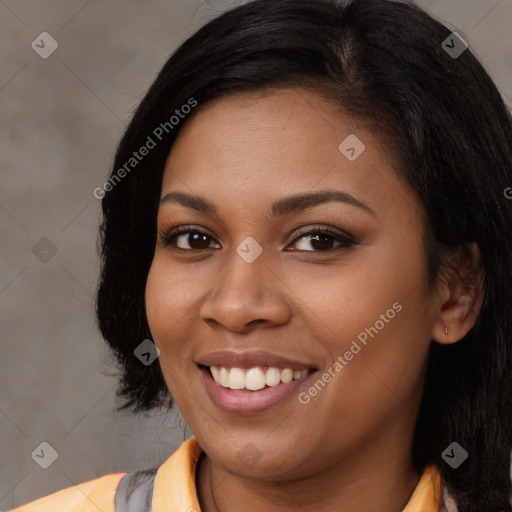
x=249 y=402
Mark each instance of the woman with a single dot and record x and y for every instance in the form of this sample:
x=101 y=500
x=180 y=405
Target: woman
x=308 y=217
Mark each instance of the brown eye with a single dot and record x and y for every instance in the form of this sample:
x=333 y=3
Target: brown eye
x=187 y=239
x=321 y=242
x=324 y=240
x=195 y=240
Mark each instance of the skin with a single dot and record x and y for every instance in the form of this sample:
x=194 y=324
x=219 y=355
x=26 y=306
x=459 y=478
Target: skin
x=349 y=448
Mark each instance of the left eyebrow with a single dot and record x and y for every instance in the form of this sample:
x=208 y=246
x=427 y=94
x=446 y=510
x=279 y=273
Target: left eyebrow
x=280 y=208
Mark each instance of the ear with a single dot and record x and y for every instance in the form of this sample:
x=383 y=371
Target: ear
x=461 y=296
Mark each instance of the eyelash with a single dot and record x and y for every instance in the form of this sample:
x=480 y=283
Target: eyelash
x=169 y=237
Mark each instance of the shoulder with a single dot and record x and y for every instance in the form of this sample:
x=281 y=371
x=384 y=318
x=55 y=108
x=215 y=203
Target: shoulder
x=92 y=496
x=165 y=487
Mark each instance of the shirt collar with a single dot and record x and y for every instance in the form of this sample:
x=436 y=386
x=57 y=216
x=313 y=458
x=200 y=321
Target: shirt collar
x=175 y=486
x=426 y=497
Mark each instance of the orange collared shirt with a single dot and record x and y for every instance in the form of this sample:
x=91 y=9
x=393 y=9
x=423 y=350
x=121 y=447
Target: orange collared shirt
x=175 y=489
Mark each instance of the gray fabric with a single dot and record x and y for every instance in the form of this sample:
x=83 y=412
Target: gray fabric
x=134 y=492
x=449 y=504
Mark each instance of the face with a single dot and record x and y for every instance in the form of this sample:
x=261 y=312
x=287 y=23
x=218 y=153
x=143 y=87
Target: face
x=254 y=291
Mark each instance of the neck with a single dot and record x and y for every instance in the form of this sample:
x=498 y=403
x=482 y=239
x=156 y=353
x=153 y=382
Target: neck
x=359 y=486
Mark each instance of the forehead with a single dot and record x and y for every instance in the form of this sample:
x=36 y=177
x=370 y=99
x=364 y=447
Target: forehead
x=255 y=147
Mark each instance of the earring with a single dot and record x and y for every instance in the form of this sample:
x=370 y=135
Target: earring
x=446 y=331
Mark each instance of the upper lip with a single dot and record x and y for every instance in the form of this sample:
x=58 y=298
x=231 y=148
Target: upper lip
x=250 y=359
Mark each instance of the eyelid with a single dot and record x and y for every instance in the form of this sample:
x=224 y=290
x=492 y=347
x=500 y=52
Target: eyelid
x=331 y=230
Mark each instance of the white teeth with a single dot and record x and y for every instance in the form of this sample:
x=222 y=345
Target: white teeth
x=273 y=376
x=287 y=375
x=254 y=378
x=215 y=372
x=223 y=378
x=236 y=378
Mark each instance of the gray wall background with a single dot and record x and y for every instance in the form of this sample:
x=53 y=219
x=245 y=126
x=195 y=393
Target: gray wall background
x=61 y=118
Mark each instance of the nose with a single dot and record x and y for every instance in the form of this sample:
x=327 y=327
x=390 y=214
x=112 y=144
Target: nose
x=247 y=294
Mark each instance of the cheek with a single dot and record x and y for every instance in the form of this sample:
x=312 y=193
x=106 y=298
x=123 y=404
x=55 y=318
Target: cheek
x=156 y=301
x=384 y=327
x=170 y=294
x=170 y=300
x=385 y=377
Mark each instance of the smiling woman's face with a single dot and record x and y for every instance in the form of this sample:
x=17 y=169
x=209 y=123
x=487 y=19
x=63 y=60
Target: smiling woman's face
x=351 y=306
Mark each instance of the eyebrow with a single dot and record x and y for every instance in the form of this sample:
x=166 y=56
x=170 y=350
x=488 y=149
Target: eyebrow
x=280 y=208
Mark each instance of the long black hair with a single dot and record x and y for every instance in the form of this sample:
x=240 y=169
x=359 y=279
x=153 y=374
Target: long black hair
x=383 y=63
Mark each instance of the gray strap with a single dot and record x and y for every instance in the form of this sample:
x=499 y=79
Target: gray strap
x=134 y=492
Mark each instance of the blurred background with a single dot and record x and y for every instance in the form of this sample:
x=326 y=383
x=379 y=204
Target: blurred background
x=71 y=74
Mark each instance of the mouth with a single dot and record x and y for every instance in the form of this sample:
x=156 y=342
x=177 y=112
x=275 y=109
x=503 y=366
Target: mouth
x=252 y=390
x=254 y=379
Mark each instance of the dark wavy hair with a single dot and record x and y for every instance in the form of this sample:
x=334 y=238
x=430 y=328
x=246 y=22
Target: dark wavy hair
x=450 y=135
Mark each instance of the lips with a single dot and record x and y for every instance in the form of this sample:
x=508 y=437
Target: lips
x=253 y=381
x=251 y=359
